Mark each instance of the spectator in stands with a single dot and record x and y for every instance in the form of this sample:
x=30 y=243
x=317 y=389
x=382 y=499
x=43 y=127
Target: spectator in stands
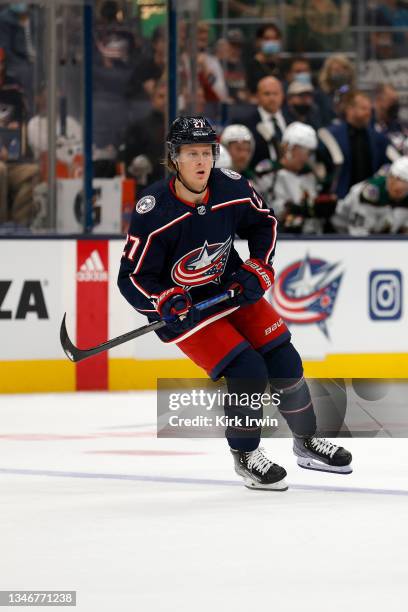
x=245 y=8
x=386 y=117
x=114 y=42
x=142 y=150
x=386 y=109
x=240 y=144
x=395 y=14
x=112 y=72
x=318 y=25
x=229 y=52
x=17 y=175
x=299 y=69
x=17 y=40
x=150 y=67
x=300 y=105
x=210 y=72
x=267 y=59
x=362 y=148
x=267 y=122
x=337 y=77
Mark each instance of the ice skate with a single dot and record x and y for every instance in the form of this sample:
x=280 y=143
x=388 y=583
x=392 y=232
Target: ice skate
x=259 y=472
x=315 y=453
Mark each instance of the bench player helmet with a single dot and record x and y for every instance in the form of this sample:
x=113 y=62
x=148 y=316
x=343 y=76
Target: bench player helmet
x=300 y=134
x=399 y=168
x=191 y=130
x=237 y=133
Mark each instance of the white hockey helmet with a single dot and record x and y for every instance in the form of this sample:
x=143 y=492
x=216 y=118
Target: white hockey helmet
x=300 y=134
x=399 y=168
x=224 y=159
x=237 y=133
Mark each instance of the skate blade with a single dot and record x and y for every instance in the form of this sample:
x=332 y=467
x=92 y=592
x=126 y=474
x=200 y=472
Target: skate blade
x=319 y=466
x=281 y=485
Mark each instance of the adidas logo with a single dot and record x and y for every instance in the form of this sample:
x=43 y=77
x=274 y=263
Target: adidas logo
x=92 y=269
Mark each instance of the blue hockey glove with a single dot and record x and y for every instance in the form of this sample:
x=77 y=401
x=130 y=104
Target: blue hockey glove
x=250 y=281
x=175 y=307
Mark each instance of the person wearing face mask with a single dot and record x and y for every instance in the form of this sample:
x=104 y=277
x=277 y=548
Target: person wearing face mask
x=300 y=104
x=336 y=78
x=385 y=117
x=299 y=69
x=267 y=60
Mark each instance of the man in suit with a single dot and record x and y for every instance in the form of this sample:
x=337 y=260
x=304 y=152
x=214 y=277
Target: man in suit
x=266 y=122
x=360 y=147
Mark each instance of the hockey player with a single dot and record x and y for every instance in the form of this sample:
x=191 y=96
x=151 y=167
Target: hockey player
x=180 y=250
x=292 y=184
x=378 y=205
x=240 y=143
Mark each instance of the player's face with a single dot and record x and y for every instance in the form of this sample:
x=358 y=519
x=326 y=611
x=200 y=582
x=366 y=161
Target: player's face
x=195 y=163
x=397 y=188
x=299 y=157
x=241 y=154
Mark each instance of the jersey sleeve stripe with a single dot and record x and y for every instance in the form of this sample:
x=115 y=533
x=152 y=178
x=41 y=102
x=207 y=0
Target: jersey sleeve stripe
x=140 y=288
x=271 y=249
x=152 y=234
x=260 y=210
x=230 y=203
x=146 y=310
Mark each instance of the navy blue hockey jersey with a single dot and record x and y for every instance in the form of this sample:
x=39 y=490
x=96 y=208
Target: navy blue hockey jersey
x=172 y=242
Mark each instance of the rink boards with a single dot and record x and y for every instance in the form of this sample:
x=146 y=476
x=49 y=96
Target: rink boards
x=344 y=300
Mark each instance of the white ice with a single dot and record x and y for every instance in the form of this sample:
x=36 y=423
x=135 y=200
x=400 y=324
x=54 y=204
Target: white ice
x=92 y=501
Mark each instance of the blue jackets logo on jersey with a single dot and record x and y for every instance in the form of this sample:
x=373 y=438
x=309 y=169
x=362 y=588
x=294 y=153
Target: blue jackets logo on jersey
x=146 y=204
x=203 y=265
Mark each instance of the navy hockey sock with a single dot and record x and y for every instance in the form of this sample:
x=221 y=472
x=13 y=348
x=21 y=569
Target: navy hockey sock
x=286 y=377
x=247 y=379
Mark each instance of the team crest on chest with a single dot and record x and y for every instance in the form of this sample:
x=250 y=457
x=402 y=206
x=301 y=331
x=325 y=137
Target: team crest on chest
x=203 y=265
x=231 y=173
x=145 y=204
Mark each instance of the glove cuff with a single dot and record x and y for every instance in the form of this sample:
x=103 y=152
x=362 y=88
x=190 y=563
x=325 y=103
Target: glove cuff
x=170 y=294
x=263 y=272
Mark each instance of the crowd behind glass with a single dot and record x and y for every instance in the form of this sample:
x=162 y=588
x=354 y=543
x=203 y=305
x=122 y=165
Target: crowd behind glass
x=288 y=91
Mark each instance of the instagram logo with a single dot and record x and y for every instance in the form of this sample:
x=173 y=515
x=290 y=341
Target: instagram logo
x=385 y=295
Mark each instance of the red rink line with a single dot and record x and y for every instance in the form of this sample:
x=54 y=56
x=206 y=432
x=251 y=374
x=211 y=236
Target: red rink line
x=143 y=452
x=39 y=437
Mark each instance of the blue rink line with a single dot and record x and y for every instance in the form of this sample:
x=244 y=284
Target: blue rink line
x=195 y=481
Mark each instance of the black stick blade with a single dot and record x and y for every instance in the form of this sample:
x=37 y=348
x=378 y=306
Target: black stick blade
x=69 y=349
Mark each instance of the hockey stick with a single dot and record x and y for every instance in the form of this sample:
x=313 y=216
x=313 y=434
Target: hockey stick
x=76 y=354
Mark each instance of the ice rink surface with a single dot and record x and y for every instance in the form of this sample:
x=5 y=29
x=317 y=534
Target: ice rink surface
x=92 y=501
